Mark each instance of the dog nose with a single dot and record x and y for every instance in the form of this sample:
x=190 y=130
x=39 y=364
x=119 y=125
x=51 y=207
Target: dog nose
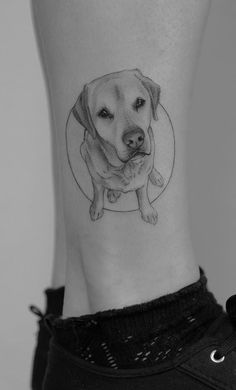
x=133 y=138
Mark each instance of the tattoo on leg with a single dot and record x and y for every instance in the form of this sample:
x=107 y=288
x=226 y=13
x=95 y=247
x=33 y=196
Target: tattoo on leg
x=118 y=112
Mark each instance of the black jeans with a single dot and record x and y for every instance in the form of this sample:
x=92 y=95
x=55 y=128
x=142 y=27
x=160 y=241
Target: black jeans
x=198 y=368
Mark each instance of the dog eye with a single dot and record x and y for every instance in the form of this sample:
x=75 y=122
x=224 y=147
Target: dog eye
x=139 y=103
x=105 y=114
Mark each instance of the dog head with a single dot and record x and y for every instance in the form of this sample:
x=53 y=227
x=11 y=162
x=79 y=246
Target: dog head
x=118 y=108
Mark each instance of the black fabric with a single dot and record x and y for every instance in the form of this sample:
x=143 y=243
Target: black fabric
x=193 y=369
x=54 y=300
x=64 y=373
x=54 y=304
x=141 y=335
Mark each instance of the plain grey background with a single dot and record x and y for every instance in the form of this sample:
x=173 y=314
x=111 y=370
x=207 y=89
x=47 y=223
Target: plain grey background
x=26 y=196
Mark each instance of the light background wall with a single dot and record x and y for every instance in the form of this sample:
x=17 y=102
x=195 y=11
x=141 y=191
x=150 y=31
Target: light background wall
x=26 y=196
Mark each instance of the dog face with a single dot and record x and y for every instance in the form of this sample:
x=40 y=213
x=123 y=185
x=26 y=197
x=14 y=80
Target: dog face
x=118 y=108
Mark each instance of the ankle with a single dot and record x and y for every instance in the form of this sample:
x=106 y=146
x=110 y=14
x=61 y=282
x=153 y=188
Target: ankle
x=159 y=329
x=138 y=281
x=125 y=290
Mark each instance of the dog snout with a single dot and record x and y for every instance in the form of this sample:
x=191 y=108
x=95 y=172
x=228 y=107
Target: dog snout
x=134 y=138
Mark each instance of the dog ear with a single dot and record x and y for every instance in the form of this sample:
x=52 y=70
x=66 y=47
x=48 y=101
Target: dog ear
x=82 y=113
x=153 y=89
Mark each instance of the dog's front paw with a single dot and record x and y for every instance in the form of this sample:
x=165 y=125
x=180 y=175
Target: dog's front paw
x=149 y=214
x=113 y=195
x=156 y=178
x=96 y=212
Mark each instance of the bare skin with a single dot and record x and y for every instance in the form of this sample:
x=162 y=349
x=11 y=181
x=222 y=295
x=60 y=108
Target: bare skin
x=121 y=260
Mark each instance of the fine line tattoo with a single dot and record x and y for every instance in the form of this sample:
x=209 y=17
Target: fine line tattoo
x=116 y=112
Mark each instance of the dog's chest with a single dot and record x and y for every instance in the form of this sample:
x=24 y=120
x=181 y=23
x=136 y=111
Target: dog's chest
x=133 y=175
x=134 y=169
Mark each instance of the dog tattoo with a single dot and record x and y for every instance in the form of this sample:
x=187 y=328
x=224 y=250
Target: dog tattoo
x=116 y=111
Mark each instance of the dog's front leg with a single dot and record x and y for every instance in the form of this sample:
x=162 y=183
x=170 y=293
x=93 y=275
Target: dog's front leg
x=96 y=208
x=148 y=213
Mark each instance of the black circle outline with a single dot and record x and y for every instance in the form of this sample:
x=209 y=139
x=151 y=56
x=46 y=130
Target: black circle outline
x=120 y=211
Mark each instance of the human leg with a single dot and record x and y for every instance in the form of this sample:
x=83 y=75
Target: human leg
x=86 y=40
x=126 y=260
